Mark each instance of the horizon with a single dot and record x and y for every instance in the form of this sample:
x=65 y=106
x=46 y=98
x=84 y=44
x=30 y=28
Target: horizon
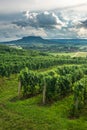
x=43 y=39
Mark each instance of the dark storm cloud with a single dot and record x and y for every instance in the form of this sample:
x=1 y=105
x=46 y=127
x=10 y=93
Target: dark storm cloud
x=48 y=19
x=44 y=19
x=84 y=23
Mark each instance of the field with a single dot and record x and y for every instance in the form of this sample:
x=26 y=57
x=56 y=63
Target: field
x=27 y=112
x=72 y=54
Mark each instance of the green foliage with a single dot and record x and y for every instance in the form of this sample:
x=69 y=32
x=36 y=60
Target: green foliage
x=64 y=85
x=26 y=114
x=77 y=75
x=14 y=60
x=29 y=81
x=58 y=81
x=80 y=96
x=56 y=86
x=51 y=93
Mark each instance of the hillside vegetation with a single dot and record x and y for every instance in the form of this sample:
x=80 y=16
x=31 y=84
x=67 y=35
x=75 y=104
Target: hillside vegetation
x=42 y=91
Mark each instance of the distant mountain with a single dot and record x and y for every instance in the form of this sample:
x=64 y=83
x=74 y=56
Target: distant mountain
x=49 y=45
x=30 y=40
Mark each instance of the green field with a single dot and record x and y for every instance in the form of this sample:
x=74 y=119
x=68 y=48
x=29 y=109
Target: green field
x=72 y=54
x=29 y=114
x=21 y=113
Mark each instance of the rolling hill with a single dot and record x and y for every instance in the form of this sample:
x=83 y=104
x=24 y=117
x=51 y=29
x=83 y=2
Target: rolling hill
x=51 y=45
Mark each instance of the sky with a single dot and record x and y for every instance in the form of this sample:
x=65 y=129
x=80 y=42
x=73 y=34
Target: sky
x=45 y=18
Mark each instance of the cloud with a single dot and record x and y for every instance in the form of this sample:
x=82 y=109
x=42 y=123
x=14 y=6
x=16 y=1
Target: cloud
x=81 y=28
x=83 y=24
x=59 y=23
x=82 y=33
x=9 y=31
x=48 y=19
x=40 y=20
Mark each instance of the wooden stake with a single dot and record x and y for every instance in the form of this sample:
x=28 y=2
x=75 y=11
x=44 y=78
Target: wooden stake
x=19 y=88
x=44 y=93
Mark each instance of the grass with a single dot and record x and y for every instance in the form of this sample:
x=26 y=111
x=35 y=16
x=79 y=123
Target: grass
x=72 y=54
x=28 y=114
x=63 y=54
x=80 y=54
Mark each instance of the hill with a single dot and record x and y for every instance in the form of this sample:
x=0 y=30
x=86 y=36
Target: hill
x=28 y=40
x=38 y=39
x=50 y=45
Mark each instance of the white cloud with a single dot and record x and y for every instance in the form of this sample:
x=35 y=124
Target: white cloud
x=9 y=31
x=82 y=32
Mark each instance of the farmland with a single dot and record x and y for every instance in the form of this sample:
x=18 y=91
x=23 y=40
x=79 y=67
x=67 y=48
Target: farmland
x=27 y=111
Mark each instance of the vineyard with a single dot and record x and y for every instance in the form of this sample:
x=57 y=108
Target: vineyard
x=56 y=85
x=41 y=90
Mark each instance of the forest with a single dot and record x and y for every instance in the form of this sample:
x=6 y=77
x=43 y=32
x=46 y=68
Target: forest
x=40 y=90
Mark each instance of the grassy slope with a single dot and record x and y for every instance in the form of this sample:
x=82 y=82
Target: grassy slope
x=29 y=115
